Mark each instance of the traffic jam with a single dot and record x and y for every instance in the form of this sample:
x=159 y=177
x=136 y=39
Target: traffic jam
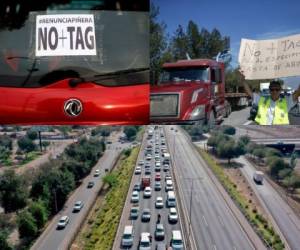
x=153 y=221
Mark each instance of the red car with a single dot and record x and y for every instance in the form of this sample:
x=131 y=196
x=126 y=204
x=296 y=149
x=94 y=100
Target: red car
x=157 y=177
x=83 y=67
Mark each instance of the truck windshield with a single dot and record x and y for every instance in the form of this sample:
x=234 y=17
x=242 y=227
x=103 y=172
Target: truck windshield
x=44 y=42
x=186 y=74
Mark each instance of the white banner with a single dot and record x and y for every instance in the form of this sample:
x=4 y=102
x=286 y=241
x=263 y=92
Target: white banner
x=65 y=35
x=266 y=59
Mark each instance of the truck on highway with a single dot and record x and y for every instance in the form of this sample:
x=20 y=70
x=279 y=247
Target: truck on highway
x=258 y=177
x=145 y=182
x=191 y=92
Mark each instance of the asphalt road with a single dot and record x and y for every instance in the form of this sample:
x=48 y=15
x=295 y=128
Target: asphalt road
x=138 y=225
x=239 y=117
x=213 y=224
x=53 y=239
x=284 y=216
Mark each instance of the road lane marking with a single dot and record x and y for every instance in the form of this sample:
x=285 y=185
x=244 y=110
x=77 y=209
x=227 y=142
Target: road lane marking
x=214 y=247
x=204 y=220
x=247 y=122
x=221 y=221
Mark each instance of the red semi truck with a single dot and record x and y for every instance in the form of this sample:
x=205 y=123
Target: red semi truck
x=190 y=92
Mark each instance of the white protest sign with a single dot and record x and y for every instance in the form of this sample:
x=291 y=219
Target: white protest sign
x=65 y=35
x=264 y=59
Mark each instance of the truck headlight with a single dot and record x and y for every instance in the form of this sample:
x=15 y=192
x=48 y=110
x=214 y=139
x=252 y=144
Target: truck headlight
x=198 y=112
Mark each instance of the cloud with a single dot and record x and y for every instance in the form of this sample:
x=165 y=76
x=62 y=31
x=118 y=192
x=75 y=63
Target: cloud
x=277 y=34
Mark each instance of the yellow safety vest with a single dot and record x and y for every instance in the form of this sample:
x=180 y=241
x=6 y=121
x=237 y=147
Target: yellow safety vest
x=280 y=113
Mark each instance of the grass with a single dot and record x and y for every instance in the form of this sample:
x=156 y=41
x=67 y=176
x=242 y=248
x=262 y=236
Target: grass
x=30 y=157
x=105 y=225
x=260 y=224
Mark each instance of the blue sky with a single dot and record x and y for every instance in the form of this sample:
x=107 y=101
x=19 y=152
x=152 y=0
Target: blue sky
x=252 y=19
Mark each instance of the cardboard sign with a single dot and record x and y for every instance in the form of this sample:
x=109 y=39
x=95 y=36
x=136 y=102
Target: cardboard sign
x=267 y=59
x=65 y=35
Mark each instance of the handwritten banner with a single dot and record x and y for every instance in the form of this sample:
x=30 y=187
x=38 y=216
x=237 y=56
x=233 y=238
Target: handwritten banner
x=267 y=59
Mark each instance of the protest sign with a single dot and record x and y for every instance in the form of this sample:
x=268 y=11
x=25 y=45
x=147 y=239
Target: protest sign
x=267 y=59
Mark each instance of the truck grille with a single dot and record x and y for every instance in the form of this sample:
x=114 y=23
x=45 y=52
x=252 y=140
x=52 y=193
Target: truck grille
x=164 y=105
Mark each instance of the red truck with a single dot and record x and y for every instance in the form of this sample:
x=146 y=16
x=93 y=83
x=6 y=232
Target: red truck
x=190 y=92
x=145 y=182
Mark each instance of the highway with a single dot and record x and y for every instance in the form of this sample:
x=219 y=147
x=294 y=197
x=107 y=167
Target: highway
x=284 y=216
x=53 y=239
x=138 y=225
x=213 y=223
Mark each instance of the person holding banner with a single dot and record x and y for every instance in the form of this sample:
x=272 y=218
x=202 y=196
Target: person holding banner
x=273 y=109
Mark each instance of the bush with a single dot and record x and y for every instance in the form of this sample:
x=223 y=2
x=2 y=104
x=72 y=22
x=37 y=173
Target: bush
x=25 y=144
x=127 y=152
x=39 y=213
x=228 y=130
x=4 y=245
x=111 y=180
x=27 y=225
x=32 y=135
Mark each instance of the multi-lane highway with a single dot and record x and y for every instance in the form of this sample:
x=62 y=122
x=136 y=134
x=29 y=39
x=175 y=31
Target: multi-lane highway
x=156 y=141
x=213 y=223
x=53 y=239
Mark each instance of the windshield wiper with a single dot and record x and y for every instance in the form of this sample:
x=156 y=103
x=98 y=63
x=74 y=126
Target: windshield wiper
x=119 y=78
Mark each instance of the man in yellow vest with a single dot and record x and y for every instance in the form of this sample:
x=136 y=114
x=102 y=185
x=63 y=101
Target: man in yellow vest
x=273 y=109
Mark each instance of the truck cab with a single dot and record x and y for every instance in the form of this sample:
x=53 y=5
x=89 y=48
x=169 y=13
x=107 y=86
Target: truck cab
x=189 y=92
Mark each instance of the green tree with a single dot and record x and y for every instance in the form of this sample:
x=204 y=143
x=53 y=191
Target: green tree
x=275 y=166
x=13 y=191
x=27 y=225
x=130 y=132
x=158 y=44
x=6 y=142
x=259 y=152
x=244 y=140
x=292 y=182
x=293 y=161
x=39 y=213
x=195 y=40
x=111 y=180
x=228 y=150
x=32 y=135
x=179 y=44
x=45 y=144
x=284 y=173
x=228 y=130
x=25 y=144
x=78 y=169
x=4 y=245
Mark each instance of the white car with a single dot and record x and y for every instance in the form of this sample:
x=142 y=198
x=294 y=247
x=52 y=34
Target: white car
x=173 y=216
x=77 y=206
x=138 y=170
x=141 y=163
x=147 y=192
x=159 y=202
x=146 y=214
x=135 y=197
x=63 y=221
x=97 y=173
x=145 y=241
x=148 y=157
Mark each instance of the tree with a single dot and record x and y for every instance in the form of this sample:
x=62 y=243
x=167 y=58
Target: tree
x=259 y=152
x=39 y=213
x=13 y=191
x=227 y=150
x=244 y=140
x=275 y=166
x=130 y=132
x=4 y=245
x=158 y=44
x=25 y=144
x=284 y=173
x=45 y=144
x=32 y=135
x=111 y=180
x=27 y=225
x=6 y=142
x=228 y=130
x=293 y=161
x=78 y=169
x=179 y=44
x=194 y=40
x=292 y=182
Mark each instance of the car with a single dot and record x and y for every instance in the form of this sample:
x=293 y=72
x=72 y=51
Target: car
x=141 y=163
x=147 y=192
x=168 y=177
x=145 y=241
x=127 y=238
x=147 y=164
x=159 y=202
x=166 y=167
x=159 y=233
x=137 y=187
x=63 y=221
x=146 y=215
x=157 y=186
x=169 y=186
x=157 y=177
x=147 y=171
x=135 y=197
x=97 y=173
x=42 y=82
x=173 y=216
x=77 y=206
x=90 y=184
x=138 y=170
x=134 y=212
x=176 y=240
x=148 y=157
